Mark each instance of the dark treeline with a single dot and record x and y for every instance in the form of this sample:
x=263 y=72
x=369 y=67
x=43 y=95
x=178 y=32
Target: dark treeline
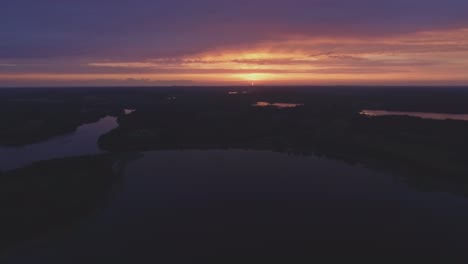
x=329 y=124
x=208 y=117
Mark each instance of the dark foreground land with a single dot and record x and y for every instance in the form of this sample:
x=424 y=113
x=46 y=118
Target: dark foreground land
x=51 y=195
x=429 y=154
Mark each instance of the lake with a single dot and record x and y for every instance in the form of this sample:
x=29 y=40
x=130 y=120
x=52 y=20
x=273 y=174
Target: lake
x=435 y=116
x=237 y=206
x=81 y=142
x=277 y=105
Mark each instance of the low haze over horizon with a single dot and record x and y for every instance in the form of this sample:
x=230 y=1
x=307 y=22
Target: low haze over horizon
x=217 y=42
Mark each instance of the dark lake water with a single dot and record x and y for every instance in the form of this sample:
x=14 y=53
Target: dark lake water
x=237 y=206
x=81 y=142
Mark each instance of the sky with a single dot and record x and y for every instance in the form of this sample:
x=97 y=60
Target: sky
x=220 y=42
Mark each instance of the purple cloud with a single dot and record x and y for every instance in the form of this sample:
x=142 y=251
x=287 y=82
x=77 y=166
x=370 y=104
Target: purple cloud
x=139 y=29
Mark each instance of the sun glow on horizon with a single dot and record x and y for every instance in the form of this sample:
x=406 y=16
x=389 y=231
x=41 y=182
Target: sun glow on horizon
x=436 y=56
x=255 y=77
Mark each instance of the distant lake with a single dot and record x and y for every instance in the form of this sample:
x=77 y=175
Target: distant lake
x=191 y=206
x=435 y=116
x=278 y=105
x=129 y=111
x=81 y=142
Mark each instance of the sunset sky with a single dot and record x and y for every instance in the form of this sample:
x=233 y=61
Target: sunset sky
x=220 y=42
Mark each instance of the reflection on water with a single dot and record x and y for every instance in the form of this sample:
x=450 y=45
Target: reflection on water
x=435 y=116
x=278 y=105
x=81 y=142
x=192 y=206
x=129 y=111
x=235 y=92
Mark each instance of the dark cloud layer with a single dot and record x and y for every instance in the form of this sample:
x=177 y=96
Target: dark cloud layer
x=132 y=30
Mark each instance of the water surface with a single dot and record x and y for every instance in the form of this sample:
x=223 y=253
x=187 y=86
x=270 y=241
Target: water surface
x=129 y=111
x=424 y=115
x=238 y=206
x=81 y=142
x=277 y=105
